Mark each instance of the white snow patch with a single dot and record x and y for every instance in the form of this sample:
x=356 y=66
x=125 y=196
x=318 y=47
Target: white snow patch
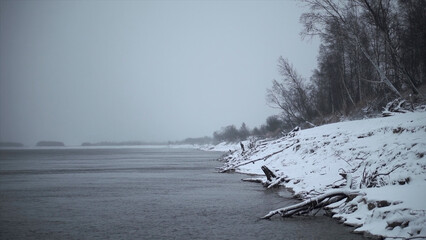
x=223 y=147
x=386 y=157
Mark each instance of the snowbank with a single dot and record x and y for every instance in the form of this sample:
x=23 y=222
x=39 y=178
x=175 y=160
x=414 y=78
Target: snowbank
x=223 y=147
x=386 y=157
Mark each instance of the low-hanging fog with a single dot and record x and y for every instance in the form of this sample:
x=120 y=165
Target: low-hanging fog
x=77 y=71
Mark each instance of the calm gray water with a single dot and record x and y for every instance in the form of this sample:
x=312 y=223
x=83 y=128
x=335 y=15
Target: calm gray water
x=140 y=194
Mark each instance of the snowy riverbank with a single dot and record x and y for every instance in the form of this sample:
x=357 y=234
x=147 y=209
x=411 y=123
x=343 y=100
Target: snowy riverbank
x=386 y=157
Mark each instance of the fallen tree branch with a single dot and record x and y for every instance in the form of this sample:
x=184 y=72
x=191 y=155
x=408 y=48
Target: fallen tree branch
x=255 y=180
x=371 y=180
x=271 y=179
x=233 y=167
x=406 y=238
x=268 y=173
x=313 y=203
x=393 y=169
x=317 y=202
x=277 y=181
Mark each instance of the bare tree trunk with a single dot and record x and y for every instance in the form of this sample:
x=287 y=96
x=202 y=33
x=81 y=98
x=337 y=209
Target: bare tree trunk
x=382 y=75
x=271 y=179
x=317 y=202
x=358 y=73
x=385 y=31
x=268 y=173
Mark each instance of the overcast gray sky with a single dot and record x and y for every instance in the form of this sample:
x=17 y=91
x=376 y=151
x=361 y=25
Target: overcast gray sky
x=79 y=71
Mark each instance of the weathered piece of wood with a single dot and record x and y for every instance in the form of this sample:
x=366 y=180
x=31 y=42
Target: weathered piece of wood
x=317 y=202
x=271 y=178
x=277 y=181
x=256 y=180
x=268 y=173
x=313 y=203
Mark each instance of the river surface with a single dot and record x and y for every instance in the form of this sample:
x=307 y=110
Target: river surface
x=141 y=193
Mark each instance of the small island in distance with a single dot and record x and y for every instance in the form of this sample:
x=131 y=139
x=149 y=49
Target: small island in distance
x=50 y=144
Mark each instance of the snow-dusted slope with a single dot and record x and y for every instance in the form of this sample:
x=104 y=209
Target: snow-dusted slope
x=221 y=147
x=386 y=157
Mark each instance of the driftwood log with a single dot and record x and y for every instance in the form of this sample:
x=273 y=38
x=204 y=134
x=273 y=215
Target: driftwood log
x=268 y=173
x=320 y=201
x=272 y=180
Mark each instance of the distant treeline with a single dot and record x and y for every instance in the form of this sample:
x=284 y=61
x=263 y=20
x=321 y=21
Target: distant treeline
x=199 y=140
x=11 y=144
x=125 y=143
x=50 y=144
x=272 y=127
x=38 y=144
x=230 y=133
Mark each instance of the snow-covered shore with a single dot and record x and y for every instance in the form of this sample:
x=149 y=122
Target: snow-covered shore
x=386 y=157
x=221 y=147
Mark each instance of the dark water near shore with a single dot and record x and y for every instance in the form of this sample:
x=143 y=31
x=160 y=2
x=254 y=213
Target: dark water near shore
x=140 y=194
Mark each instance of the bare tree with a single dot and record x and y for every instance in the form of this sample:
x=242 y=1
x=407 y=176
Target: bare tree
x=385 y=19
x=290 y=95
x=339 y=14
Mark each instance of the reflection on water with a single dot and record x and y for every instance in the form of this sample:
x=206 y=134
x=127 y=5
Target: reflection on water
x=140 y=194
